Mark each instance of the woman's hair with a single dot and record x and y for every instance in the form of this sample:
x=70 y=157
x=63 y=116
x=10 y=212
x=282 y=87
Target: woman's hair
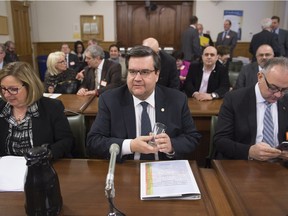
x=26 y=74
x=75 y=46
x=52 y=60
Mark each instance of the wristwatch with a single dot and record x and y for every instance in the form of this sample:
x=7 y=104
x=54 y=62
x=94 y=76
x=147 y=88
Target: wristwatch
x=214 y=95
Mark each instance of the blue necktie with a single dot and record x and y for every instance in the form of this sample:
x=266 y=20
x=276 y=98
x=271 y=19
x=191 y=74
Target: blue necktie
x=145 y=129
x=268 y=125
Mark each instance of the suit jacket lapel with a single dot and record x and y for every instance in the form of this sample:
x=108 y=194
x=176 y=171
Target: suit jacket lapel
x=252 y=118
x=160 y=106
x=104 y=69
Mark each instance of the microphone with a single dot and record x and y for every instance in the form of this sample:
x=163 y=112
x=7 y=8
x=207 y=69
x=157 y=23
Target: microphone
x=114 y=151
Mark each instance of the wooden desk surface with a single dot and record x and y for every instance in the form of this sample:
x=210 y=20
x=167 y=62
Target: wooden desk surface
x=197 y=108
x=82 y=185
x=75 y=103
x=253 y=187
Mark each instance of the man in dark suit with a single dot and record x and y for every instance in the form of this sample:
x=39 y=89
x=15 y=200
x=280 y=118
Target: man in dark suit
x=248 y=74
x=2 y=56
x=264 y=37
x=11 y=55
x=191 y=42
x=207 y=80
x=100 y=74
x=168 y=76
x=282 y=36
x=71 y=59
x=119 y=115
x=227 y=37
x=240 y=132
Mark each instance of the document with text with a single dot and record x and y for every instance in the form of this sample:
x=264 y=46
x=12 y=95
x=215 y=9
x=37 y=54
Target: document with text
x=12 y=174
x=168 y=180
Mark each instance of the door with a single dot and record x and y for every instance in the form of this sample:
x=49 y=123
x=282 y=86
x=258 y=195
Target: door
x=21 y=27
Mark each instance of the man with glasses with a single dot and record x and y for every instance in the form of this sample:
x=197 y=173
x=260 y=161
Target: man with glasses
x=253 y=121
x=207 y=80
x=124 y=113
x=248 y=74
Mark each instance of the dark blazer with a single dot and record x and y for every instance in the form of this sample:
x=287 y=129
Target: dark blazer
x=191 y=44
x=111 y=74
x=218 y=81
x=283 y=42
x=4 y=63
x=230 y=40
x=115 y=122
x=237 y=124
x=51 y=127
x=10 y=57
x=73 y=62
x=247 y=75
x=168 y=73
x=264 y=37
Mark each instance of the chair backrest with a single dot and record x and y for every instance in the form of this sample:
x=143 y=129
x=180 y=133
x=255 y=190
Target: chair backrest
x=78 y=128
x=213 y=124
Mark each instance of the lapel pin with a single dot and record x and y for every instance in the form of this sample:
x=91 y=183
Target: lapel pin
x=162 y=109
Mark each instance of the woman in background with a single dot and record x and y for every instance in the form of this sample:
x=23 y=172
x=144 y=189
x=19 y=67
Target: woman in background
x=28 y=119
x=59 y=78
x=79 y=50
x=182 y=67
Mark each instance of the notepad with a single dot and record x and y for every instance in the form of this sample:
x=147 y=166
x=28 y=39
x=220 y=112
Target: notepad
x=204 y=41
x=12 y=174
x=162 y=180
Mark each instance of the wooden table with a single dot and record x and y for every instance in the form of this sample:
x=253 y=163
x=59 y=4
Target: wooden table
x=75 y=103
x=82 y=185
x=254 y=187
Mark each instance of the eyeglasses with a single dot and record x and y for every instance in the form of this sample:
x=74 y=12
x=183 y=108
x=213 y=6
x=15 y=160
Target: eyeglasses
x=62 y=62
x=274 y=89
x=11 y=90
x=143 y=72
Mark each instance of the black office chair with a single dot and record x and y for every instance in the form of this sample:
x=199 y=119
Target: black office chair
x=214 y=120
x=78 y=128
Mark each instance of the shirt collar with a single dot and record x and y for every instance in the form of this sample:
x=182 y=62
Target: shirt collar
x=259 y=98
x=150 y=100
x=100 y=66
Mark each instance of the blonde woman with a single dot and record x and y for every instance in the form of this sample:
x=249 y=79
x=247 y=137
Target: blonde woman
x=59 y=78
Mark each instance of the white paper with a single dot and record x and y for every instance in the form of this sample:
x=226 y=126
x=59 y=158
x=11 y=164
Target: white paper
x=168 y=180
x=12 y=173
x=51 y=95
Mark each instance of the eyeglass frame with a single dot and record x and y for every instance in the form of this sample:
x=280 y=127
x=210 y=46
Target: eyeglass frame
x=276 y=88
x=16 y=89
x=62 y=62
x=142 y=72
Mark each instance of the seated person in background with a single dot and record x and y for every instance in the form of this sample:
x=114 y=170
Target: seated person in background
x=168 y=75
x=71 y=59
x=2 y=56
x=100 y=74
x=95 y=42
x=27 y=118
x=59 y=79
x=205 y=39
x=119 y=115
x=248 y=74
x=182 y=66
x=254 y=120
x=223 y=55
x=207 y=80
x=79 y=52
x=115 y=56
x=11 y=55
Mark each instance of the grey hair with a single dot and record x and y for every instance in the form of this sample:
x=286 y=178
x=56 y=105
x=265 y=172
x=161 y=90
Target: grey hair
x=95 y=51
x=266 y=23
x=277 y=61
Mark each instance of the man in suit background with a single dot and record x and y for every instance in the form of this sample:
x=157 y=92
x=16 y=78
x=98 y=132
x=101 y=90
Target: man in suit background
x=71 y=59
x=248 y=74
x=119 y=115
x=168 y=75
x=227 y=37
x=2 y=56
x=264 y=37
x=207 y=80
x=240 y=131
x=100 y=74
x=11 y=55
x=282 y=36
x=191 y=42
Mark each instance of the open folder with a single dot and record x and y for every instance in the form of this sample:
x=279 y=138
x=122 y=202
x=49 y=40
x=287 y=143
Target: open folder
x=168 y=180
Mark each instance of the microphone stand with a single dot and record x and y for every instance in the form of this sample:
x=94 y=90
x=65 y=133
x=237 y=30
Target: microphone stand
x=110 y=194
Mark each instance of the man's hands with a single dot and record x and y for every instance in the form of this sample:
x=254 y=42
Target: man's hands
x=202 y=96
x=263 y=152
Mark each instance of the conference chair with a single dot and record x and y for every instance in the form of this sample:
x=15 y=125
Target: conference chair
x=78 y=128
x=213 y=124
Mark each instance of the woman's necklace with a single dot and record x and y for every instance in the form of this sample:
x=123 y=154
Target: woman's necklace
x=19 y=117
